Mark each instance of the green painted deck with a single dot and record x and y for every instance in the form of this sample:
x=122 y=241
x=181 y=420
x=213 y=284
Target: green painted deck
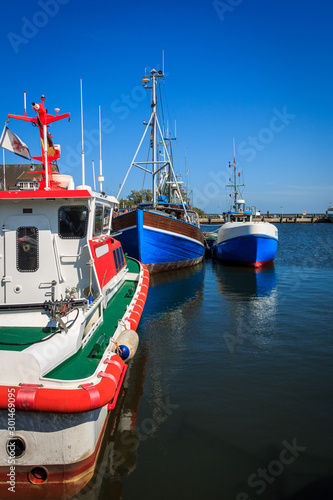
x=18 y=335
x=80 y=365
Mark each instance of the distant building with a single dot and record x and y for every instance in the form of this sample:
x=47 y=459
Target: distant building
x=21 y=177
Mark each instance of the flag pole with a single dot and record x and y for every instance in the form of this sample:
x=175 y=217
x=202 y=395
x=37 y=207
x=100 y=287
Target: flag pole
x=46 y=159
x=93 y=169
x=82 y=153
x=4 y=170
x=100 y=177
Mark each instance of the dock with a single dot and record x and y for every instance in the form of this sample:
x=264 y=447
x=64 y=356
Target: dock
x=272 y=219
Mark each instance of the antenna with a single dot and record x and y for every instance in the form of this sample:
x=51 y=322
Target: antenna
x=175 y=130
x=25 y=103
x=163 y=61
x=100 y=177
x=4 y=169
x=93 y=168
x=82 y=153
x=234 y=152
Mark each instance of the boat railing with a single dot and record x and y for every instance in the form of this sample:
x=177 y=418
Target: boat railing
x=75 y=256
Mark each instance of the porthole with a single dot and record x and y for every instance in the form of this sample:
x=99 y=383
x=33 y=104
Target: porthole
x=15 y=447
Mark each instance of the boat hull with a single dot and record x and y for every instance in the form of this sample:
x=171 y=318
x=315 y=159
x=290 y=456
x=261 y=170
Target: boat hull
x=50 y=456
x=162 y=243
x=249 y=244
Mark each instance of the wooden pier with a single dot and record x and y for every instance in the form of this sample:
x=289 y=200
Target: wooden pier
x=308 y=219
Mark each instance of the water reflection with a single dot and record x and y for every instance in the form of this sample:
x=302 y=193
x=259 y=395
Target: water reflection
x=119 y=451
x=253 y=294
x=172 y=300
x=162 y=328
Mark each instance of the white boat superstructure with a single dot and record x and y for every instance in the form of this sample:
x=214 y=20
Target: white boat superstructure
x=70 y=303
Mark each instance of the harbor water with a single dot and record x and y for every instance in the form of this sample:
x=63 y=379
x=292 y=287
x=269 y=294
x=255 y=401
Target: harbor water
x=230 y=394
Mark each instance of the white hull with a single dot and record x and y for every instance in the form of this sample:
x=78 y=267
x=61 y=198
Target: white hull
x=232 y=230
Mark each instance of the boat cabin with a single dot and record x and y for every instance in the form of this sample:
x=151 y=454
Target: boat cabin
x=240 y=214
x=54 y=245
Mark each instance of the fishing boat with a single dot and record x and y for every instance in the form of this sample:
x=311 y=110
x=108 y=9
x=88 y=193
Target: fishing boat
x=241 y=240
x=210 y=239
x=70 y=303
x=330 y=213
x=163 y=234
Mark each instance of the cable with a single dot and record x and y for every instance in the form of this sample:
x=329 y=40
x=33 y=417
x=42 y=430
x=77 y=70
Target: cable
x=46 y=338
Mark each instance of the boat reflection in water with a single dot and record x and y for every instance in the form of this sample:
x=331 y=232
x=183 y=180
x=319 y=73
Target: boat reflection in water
x=253 y=293
x=119 y=453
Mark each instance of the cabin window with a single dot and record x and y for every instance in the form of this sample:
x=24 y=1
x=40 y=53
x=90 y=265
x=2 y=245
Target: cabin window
x=72 y=221
x=115 y=256
x=27 y=249
x=98 y=227
x=119 y=259
x=106 y=219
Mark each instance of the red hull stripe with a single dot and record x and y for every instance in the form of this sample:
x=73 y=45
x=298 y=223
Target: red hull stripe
x=72 y=400
x=136 y=311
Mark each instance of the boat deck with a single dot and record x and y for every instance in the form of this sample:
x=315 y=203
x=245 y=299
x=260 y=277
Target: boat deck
x=80 y=365
x=19 y=335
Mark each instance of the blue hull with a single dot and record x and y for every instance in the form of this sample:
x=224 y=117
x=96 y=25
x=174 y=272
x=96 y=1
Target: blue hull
x=251 y=250
x=160 y=250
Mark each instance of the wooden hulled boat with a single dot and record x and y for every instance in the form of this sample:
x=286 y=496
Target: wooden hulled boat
x=163 y=234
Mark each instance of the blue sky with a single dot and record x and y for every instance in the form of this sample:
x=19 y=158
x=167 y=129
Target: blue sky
x=258 y=71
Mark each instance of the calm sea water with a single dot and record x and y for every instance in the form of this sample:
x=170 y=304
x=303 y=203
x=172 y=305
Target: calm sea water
x=230 y=394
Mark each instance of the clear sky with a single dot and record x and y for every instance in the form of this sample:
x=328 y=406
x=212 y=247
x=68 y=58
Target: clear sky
x=259 y=71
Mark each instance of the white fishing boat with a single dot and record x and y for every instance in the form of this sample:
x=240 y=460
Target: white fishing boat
x=330 y=213
x=241 y=240
x=70 y=303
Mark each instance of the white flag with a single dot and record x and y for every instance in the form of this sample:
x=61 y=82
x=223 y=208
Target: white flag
x=12 y=143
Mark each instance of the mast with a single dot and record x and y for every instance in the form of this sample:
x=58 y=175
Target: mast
x=155 y=166
x=100 y=177
x=186 y=177
x=49 y=152
x=154 y=131
x=93 y=169
x=234 y=186
x=82 y=143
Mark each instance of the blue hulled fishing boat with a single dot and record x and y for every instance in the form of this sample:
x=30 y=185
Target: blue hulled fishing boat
x=241 y=240
x=164 y=234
